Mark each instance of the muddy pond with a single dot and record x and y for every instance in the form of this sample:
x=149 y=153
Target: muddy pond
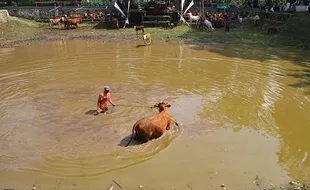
x=244 y=113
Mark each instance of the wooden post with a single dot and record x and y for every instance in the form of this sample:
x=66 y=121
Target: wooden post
x=54 y=8
x=203 y=8
x=128 y=10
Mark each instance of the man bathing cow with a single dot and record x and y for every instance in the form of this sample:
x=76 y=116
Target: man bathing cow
x=145 y=129
x=103 y=99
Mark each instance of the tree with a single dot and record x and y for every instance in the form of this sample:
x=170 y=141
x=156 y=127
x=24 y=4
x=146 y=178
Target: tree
x=9 y=2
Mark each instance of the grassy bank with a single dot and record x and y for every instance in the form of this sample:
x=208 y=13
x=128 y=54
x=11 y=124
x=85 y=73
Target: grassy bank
x=293 y=33
x=17 y=29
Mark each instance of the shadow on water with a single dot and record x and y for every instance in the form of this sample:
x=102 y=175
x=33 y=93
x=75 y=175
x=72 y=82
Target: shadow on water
x=94 y=112
x=138 y=46
x=303 y=76
x=91 y=112
x=125 y=141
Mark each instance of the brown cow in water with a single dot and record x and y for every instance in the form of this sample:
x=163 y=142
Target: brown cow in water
x=147 y=39
x=153 y=126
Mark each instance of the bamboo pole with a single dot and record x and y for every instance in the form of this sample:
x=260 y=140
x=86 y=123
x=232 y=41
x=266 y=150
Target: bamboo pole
x=55 y=9
x=203 y=8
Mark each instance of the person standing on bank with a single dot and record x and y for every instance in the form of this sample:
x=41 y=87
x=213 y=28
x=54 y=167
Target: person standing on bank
x=227 y=22
x=104 y=97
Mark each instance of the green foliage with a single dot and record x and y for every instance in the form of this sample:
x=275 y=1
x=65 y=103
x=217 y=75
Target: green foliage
x=26 y=2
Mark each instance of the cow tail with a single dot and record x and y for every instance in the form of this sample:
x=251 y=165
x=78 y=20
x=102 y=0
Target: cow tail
x=132 y=135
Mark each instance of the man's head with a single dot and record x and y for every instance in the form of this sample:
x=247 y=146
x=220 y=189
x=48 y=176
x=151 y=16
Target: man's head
x=106 y=88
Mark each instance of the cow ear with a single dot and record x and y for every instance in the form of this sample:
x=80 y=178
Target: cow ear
x=168 y=105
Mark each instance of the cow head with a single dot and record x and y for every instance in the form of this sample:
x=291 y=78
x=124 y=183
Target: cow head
x=162 y=106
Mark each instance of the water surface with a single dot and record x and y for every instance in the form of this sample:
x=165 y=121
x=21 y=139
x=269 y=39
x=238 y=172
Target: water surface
x=244 y=113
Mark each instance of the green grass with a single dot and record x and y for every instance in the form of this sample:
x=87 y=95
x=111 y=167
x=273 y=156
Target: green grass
x=183 y=32
x=165 y=34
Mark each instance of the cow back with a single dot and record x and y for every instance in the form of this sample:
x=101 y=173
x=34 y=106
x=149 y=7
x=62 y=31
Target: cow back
x=74 y=21
x=114 y=21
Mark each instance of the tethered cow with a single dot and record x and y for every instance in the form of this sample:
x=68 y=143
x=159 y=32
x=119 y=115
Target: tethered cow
x=152 y=127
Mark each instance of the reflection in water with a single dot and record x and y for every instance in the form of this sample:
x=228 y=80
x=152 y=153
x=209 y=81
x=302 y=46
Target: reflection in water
x=48 y=92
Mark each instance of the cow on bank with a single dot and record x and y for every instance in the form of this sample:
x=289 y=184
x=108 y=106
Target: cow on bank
x=55 y=21
x=152 y=127
x=140 y=27
x=115 y=23
x=69 y=22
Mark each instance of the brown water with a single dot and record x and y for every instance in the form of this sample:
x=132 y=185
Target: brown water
x=244 y=113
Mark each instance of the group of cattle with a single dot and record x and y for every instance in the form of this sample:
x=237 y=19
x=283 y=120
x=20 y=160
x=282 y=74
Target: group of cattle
x=209 y=20
x=93 y=16
x=212 y=20
x=75 y=19
x=200 y=20
x=68 y=21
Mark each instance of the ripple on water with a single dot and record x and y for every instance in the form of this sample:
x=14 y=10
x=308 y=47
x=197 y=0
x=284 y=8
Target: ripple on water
x=68 y=164
x=61 y=139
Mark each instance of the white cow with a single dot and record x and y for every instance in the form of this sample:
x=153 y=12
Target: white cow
x=193 y=18
x=255 y=20
x=205 y=24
